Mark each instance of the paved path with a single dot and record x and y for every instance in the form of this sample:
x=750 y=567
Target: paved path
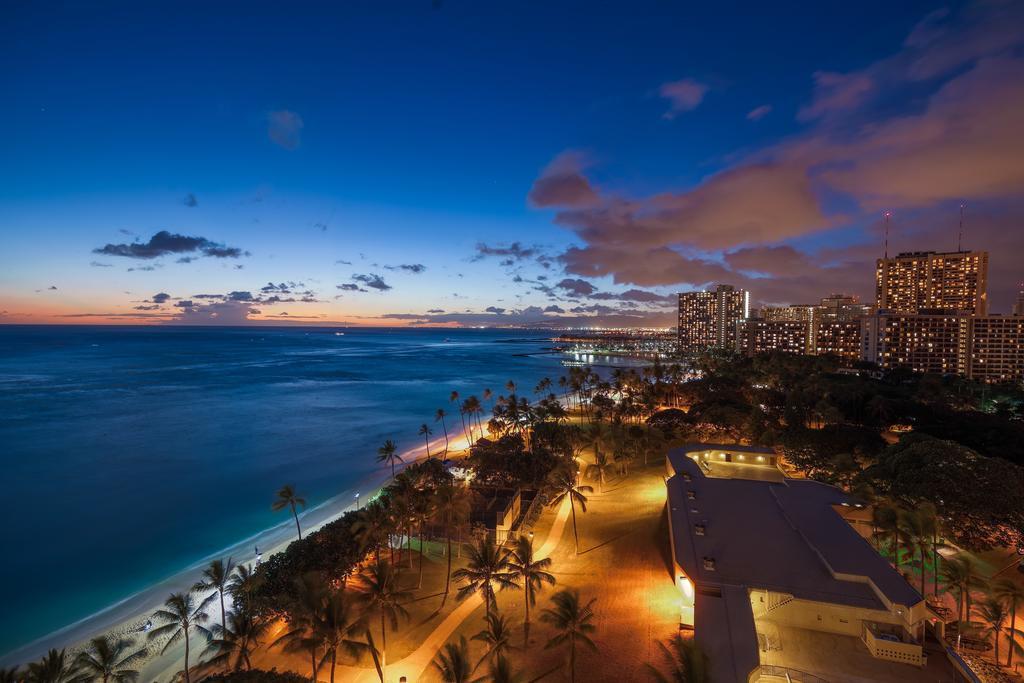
x=413 y=666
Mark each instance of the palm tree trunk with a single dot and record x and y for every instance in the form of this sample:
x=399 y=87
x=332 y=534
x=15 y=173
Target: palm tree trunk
x=392 y=469
x=312 y=658
x=922 y=571
x=527 y=592
x=223 y=620
x=297 y=527
x=896 y=549
x=426 y=440
x=445 y=427
x=935 y=563
x=419 y=579
x=383 y=647
x=575 y=534
x=1013 y=633
x=334 y=662
x=448 y=576
x=187 y=678
x=572 y=661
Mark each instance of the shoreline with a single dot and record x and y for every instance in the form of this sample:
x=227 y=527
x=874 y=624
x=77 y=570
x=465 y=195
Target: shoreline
x=125 y=616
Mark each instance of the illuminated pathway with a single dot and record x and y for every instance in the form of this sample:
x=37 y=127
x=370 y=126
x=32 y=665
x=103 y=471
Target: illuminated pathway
x=417 y=662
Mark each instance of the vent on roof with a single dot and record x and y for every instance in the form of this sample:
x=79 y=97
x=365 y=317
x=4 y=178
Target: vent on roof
x=687 y=477
x=692 y=495
x=700 y=529
x=709 y=564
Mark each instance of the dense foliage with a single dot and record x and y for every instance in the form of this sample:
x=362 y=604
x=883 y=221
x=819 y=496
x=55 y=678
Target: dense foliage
x=257 y=676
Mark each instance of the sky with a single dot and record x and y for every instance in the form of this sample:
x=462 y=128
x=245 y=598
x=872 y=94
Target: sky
x=476 y=163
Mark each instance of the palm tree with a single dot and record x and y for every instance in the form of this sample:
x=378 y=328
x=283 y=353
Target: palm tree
x=533 y=573
x=335 y=627
x=961 y=574
x=886 y=517
x=215 y=578
x=382 y=595
x=55 y=667
x=688 y=663
x=993 y=615
x=310 y=596
x=372 y=528
x=497 y=636
x=573 y=624
x=916 y=537
x=452 y=663
x=439 y=417
x=451 y=507
x=564 y=486
x=1012 y=593
x=488 y=565
x=287 y=497
x=388 y=453
x=108 y=659
x=598 y=468
x=425 y=433
x=239 y=638
x=182 y=615
x=243 y=584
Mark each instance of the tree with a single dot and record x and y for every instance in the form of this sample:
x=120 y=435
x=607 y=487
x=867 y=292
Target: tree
x=960 y=573
x=451 y=508
x=335 y=627
x=109 y=659
x=885 y=519
x=382 y=595
x=439 y=417
x=453 y=664
x=496 y=635
x=425 y=433
x=287 y=498
x=917 y=538
x=215 y=578
x=599 y=467
x=687 y=662
x=237 y=638
x=563 y=485
x=573 y=624
x=182 y=615
x=372 y=528
x=993 y=615
x=1011 y=593
x=310 y=596
x=11 y=675
x=244 y=584
x=533 y=573
x=55 y=667
x=488 y=565
x=388 y=454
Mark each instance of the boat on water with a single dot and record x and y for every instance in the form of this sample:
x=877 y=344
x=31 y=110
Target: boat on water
x=339 y=334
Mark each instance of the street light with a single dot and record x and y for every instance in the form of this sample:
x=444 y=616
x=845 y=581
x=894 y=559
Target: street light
x=357 y=501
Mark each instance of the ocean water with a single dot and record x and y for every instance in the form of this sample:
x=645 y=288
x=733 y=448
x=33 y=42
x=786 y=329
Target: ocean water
x=131 y=453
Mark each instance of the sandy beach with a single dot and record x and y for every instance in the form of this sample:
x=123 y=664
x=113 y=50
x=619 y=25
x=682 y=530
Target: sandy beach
x=127 y=617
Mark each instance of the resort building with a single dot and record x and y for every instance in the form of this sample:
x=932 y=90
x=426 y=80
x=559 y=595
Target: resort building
x=840 y=308
x=924 y=342
x=838 y=337
x=996 y=348
x=914 y=281
x=798 y=313
x=707 y=319
x=787 y=336
x=778 y=586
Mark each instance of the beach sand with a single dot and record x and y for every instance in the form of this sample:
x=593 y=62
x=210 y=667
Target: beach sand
x=127 y=617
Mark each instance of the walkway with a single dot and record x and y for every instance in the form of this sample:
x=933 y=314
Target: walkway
x=413 y=666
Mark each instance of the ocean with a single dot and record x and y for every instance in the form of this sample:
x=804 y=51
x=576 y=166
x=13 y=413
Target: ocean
x=132 y=453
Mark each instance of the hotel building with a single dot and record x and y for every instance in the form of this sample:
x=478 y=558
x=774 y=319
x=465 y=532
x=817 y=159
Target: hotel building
x=787 y=336
x=915 y=281
x=777 y=585
x=707 y=319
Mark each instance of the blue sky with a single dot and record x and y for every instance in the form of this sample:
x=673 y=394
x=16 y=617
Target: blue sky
x=390 y=134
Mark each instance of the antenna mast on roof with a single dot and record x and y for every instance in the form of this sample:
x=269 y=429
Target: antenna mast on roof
x=887 y=214
x=960 y=236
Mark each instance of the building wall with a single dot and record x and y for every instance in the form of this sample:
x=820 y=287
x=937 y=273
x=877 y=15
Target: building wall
x=841 y=338
x=707 y=319
x=910 y=282
x=787 y=336
x=996 y=348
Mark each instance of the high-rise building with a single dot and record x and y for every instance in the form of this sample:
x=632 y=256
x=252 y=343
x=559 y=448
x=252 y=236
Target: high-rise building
x=923 y=342
x=926 y=280
x=795 y=313
x=840 y=308
x=786 y=336
x=996 y=348
x=707 y=319
x=838 y=337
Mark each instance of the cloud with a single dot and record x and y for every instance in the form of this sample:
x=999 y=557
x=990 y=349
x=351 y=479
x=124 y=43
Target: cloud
x=350 y=287
x=284 y=128
x=152 y=307
x=495 y=309
x=554 y=309
x=836 y=92
x=758 y=113
x=52 y=287
x=436 y=310
x=683 y=96
x=190 y=201
x=143 y=268
x=562 y=183
x=164 y=243
x=373 y=281
x=97 y=264
x=576 y=287
x=409 y=267
x=514 y=251
x=160 y=298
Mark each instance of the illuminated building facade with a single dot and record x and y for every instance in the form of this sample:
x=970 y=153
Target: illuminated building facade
x=920 y=280
x=838 y=337
x=996 y=348
x=707 y=319
x=922 y=342
x=758 y=336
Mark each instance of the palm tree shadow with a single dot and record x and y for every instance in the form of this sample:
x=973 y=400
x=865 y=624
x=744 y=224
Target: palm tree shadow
x=604 y=543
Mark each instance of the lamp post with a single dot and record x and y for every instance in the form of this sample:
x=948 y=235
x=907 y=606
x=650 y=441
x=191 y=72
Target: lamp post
x=357 y=501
